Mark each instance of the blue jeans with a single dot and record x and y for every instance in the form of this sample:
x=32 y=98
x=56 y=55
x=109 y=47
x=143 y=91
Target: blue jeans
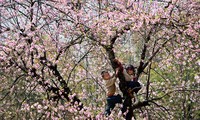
x=111 y=102
x=134 y=85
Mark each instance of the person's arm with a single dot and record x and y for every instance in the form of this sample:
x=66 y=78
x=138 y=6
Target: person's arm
x=119 y=67
x=117 y=71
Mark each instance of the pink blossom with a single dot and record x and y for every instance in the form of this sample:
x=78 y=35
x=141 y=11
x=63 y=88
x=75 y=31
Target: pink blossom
x=196 y=50
x=178 y=55
x=197 y=78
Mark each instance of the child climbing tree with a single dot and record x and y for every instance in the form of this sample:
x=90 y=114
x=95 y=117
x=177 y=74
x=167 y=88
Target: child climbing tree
x=43 y=45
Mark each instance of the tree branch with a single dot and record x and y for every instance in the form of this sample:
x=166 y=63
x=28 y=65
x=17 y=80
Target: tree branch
x=78 y=63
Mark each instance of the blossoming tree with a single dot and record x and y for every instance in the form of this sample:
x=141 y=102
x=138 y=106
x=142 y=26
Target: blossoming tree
x=52 y=52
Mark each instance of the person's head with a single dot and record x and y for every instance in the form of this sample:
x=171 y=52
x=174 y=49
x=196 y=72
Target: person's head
x=130 y=69
x=105 y=75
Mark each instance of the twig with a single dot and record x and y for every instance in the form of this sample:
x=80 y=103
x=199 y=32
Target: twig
x=78 y=63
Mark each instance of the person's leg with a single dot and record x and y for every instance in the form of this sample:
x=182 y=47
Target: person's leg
x=110 y=105
x=118 y=99
x=107 y=110
x=130 y=88
x=136 y=86
x=111 y=102
x=126 y=104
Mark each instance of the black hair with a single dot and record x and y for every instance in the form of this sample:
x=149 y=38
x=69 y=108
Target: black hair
x=104 y=71
x=130 y=67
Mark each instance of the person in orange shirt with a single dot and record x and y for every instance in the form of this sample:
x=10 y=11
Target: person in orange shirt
x=112 y=99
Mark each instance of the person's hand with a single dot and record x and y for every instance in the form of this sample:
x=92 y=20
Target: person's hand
x=116 y=61
x=117 y=72
x=130 y=92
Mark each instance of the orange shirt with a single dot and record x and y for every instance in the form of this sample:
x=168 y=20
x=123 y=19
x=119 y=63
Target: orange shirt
x=110 y=86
